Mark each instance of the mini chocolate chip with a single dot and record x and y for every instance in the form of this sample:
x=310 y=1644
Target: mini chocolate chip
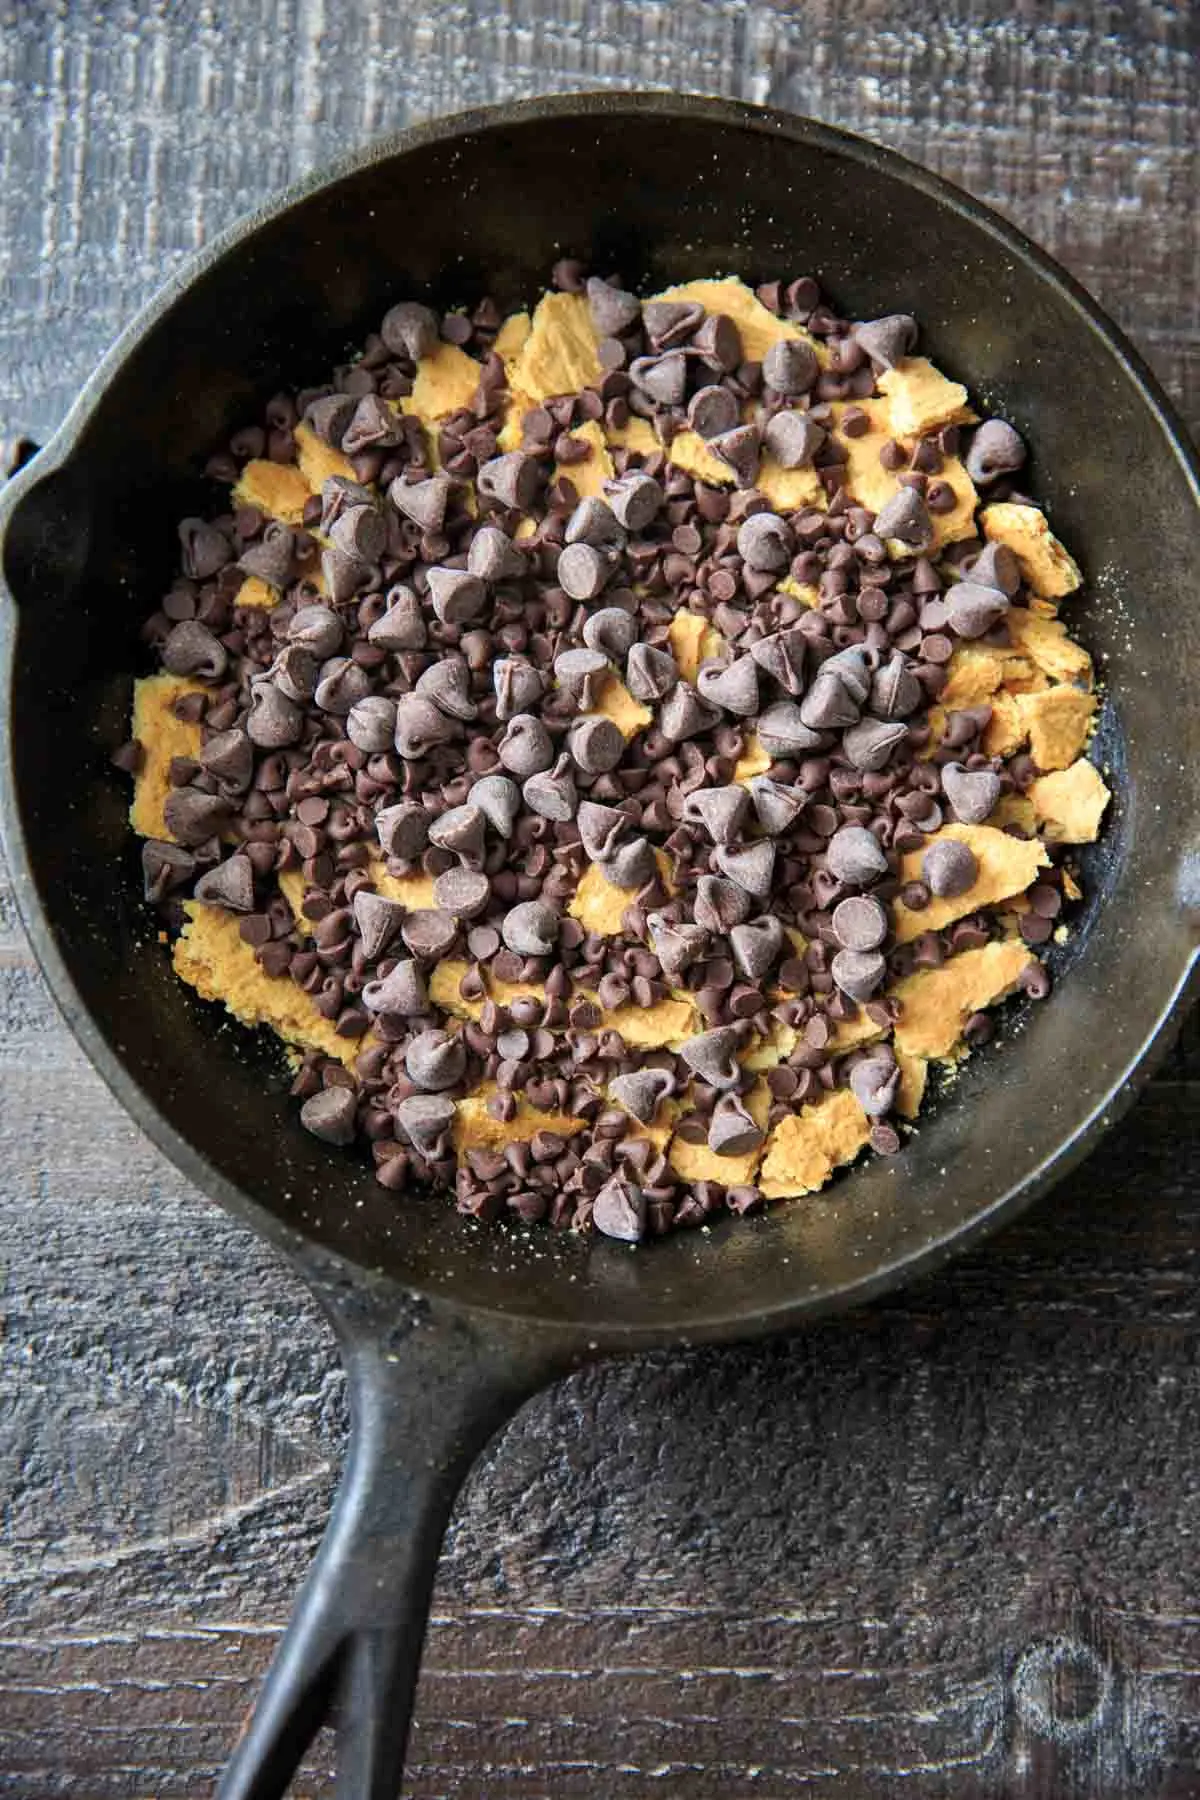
x=995 y=567
x=859 y=923
x=732 y=687
x=905 y=516
x=511 y=480
x=887 y=341
x=595 y=744
x=793 y=439
x=756 y=946
x=611 y=632
x=461 y=831
x=330 y=1115
x=378 y=920
x=635 y=498
x=751 y=868
x=499 y=799
x=713 y=1056
x=191 y=649
x=764 y=542
x=429 y=932
x=858 y=973
x=463 y=892
x=973 y=793
x=493 y=556
x=552 y=794
x=973 y=610
x=874 y=1082
x=456 y=594
x=650 y=674
x=531 y=929
x=739 y=451
x=425 y=1120
x=869 y=744
x=275 y=722
x=613 y=310
x=684 y=714
x=885 y=1140
x=316 y=629
x=719 y=904
x=776 y=806
x=854 y=856
x=409 y=329
x=518 y=686
x=949 y=868
x=424 y=502
x=371 y=723
x=403 y=829
x=790 y=366
x=619 y=1210
x=448 y=684
x=230 y=884
x=712 y=411
x=340 y=685
x=435 y=1061
x=995 y=449
x=420 y=726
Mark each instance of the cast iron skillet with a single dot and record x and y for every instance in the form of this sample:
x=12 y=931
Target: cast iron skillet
x=446 y=1327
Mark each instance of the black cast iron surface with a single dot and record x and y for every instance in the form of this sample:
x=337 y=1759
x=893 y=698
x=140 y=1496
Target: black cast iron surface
x=1040 y=335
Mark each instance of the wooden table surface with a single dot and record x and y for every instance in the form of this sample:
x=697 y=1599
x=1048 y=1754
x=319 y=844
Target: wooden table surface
x=947 y=1547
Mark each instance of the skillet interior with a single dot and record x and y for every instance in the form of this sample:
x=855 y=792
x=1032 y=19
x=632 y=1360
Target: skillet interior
x=658 y=189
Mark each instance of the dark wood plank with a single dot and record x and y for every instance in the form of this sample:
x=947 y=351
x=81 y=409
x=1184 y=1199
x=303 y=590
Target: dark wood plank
x=946 y=1548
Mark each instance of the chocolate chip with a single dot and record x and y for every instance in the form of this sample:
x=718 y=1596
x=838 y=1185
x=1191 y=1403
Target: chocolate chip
x=420 y=726
x=316 y=629
x=435 y=1061
x=756 y=946
x=719 y=904
x=511 y=480
x=613 y=310
x=874 y=1082
x=713 y=1056
x=996 y=449
x=429 y=932
x=374 y=426
x=764 y=542
x=895 y=690
x=611 y=632
x=677 y=947
x=531 y=929
x=456 y=594
x=781 y=655
x=230 y=757
x=340 y=685
x=619 y=1210
x=425 y=1121
x=270 y=559
x=595 y=744
x=461 y=831
x=650 y=674
x=739 y=451
x=973 y=793
x=448 y=684
x=410 y=329
x=191 y=649
x=230 y=884
x=359 y=532
x=403 y=830
x=869 y=744
x=662 y=379
x=973 y=610
x=995 y=567
x=777 y=807
x=635 y=498
x=295 y=672
x=594 y=522
x=463 y=892
x=887 y=341
x=274 y=721
x=670 y=322
x=330 y=1115
x=205 y=549
x=642 y=1092
x=793 y=439
x=732 y=687
x=583 y=571
x=165 y=867
x=712 y=411
x=790 y=366
x=684 y=714
x=631 y=864
x=854 y=855
x=330 y=416
x=378 y=920
x=751 y=868
x=783 y=731
x=721 y=810
x=949 y=868
x=905 y=516
x=552 y=794
x=858 y=973
x=371 y=723
x=493 y=556
x=499 y=800
x=731 y=1130
x=859 y=923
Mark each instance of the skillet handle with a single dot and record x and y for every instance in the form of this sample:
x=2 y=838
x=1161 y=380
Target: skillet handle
x=427 y=1391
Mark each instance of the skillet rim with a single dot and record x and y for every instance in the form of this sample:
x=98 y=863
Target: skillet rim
x=330 y=1269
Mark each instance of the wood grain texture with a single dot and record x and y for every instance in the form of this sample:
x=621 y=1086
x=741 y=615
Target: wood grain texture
x=945 y=1548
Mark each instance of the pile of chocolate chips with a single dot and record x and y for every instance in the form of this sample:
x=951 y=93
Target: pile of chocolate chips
x=436 y=706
